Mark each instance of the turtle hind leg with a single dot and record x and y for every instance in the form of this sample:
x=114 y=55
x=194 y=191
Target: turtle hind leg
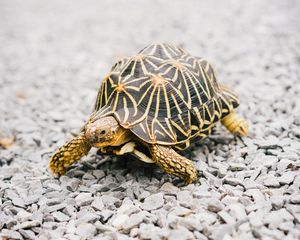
x=235 y=124
x=173 y=163
x=68 y=154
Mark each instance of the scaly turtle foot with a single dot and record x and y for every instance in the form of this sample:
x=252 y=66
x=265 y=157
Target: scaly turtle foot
x=173 y=163
x=236 y=124
x=68 y=154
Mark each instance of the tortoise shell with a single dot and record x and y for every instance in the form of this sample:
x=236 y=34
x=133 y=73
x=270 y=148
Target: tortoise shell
x=164 y=95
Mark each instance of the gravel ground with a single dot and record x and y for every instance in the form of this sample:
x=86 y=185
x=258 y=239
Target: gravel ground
x=53 y=55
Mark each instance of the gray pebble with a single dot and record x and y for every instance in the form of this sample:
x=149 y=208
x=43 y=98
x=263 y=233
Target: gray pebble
x=23 y=216
x=97 y=204
x=227 y=218
x=181 y=234
x=106 y=214
x=153 y=202
x=99 y=174
x=149 y=231
x=104 y=227
x=119 y=221
x=237 y=210
x=55 y=207
x=234 y=166
x=128 y=209
x=27 y=224
x=133 y=221
x=185 y=198
x=10 y=234
x=110 y=201
x=295 y=198
x=214 y=205
x=60 y=217
x=19 y=202
x=180 y=211
x=233 y=181
x=191 y=223
x=271 y=181
x=86 y=230
x=169 y=188
x=27 y=234
x=84 y=199
x=287 y=178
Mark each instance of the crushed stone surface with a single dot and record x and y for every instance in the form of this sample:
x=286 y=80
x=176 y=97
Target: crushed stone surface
x=53 y=55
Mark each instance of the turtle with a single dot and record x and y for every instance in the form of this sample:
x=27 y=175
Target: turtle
x=154 y=105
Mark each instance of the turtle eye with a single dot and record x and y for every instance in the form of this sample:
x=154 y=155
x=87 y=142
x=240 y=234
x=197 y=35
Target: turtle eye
x=102 y=132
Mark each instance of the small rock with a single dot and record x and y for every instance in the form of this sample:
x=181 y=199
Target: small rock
x=277 y=201
x=191 y=223
x=149 y=231
x=233 y=181
x=180 y=211
x=144 y=195
x=99 y=174
x=10 y=234
x=60 y=217
x=295 y=198
x=185 y=198
x=128 y=209
x=287 y=178
x=269 y=144
x=214 y=205
x=226 y=217
x=153 y=202
x=169 y=188
x=180 y=233
x=19 y=202
x=271 y=181
x=256 y=218
x=86 y=230
x=268 y=161
x=233 y=166
x=98 y=204
x=283 y=164
x=104 y=227
x=23 y=216
x=83 y=199
x=238 y=211
x=105 y=215
x=54 y=186
x=201 y=194
x=275 y=218
x=133 y=221
x=56 y=207
x=27 y=234
x=110 y=201
x=134 y=232
x=27 y=224
x=119 y=221
x=70 y=210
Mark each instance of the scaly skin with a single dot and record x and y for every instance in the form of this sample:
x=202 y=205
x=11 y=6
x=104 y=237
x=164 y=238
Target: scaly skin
x=68 y=154
x=236 y=124
x=171 y=162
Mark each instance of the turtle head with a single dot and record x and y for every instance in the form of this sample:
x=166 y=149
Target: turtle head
x=105 y=132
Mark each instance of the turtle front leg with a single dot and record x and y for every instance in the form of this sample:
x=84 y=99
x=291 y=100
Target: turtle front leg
x=173 y=163
x=68 y=154
x=235 y=124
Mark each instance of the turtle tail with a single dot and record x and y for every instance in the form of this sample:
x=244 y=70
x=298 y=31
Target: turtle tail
x=68 y=154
